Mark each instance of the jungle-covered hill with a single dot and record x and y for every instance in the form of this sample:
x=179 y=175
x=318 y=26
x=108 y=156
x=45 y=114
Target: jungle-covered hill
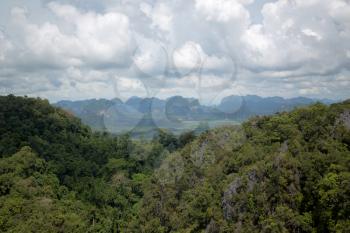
x=284 y=173
x=56 y=175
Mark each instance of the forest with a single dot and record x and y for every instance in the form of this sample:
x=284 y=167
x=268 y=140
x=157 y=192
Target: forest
x=288 y=172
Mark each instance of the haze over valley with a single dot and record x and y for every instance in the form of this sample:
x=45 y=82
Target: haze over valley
x=143 y=116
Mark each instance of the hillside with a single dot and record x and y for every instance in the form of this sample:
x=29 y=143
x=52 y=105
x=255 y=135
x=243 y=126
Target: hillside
x=288 y=172
x=284 y=173
x=56 y=175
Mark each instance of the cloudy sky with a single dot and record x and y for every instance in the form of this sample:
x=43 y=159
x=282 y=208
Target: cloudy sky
x=205 y=49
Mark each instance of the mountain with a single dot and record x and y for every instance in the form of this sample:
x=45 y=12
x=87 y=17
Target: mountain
x=146 y=105
x=144 y=115
x=91 y=111
x=243 y=107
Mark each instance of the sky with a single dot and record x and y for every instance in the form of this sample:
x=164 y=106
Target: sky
x=206 y=49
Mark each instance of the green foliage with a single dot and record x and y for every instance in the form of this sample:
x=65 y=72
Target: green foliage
x=56 y=175
x=284 y=173
x=31 y=199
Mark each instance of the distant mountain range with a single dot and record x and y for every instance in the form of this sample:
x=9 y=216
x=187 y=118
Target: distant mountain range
x=175 y=113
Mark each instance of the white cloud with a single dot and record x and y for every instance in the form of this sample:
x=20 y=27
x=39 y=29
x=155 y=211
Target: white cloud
x=176 y=47
x=96 y=40
x=75 y=74
x=127 y=87
x=191 y=57
x=223 y=10
x=151 y=57
x=311 y=33
x=160 y=15
x=301 y=36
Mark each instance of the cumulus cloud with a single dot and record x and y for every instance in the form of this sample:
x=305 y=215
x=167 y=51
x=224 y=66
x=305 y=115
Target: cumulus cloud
x=150 y=57
x=160 y=14
x=223 y=10
x=191 y=57
x=96 y=40
x=199 y=48
x=305 y=37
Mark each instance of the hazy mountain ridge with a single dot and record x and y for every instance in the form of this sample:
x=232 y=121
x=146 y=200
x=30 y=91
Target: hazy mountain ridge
x=102 y=114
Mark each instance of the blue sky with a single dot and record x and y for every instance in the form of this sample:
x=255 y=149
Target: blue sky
x=206 y=49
